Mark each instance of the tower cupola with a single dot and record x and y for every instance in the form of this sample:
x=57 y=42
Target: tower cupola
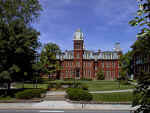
x=78 y=35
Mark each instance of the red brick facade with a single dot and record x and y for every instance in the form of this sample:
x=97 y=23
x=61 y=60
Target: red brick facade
x=81 y=63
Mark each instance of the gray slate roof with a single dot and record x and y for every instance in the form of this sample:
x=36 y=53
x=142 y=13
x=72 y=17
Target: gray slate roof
x=106 y=55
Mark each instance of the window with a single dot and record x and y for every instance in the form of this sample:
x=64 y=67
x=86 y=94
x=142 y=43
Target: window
x=95 y=67
x=89 y=73
x=78 y=64
x=78 y=55
x=108 y=75
x=102 y=64
x=89 y=64
x=112 y=64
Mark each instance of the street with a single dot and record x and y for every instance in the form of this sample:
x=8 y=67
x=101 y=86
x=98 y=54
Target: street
x=60 y=111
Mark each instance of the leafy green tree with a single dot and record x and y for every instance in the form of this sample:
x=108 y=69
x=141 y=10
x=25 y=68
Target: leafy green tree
x=37 y=72
x=126 y=66
x=100 y=75
x=142 y=47
x=18 y=40
x=48 y=58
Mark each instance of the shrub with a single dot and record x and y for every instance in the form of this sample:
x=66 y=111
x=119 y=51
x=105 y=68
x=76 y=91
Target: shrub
x=30 y=93
x=86 y=79
x=11 y=92
x=100 y=75
x=58 y=85
x=26 y=94
x=84 y=86
x=125 y=82
x=68 y=79
x=78 y=94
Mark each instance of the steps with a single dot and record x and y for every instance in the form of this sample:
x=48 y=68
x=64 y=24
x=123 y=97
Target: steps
x=54 y=96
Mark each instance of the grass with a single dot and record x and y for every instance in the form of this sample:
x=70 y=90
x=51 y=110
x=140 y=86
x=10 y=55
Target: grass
x=106 y=85
x=113 y=97
x=99 y=85
x=30 y=85
x=7 y=98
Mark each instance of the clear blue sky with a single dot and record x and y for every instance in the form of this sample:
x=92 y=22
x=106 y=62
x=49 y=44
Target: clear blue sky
x=103 y=23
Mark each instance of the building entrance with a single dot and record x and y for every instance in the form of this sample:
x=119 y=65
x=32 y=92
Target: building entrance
x=77 y=73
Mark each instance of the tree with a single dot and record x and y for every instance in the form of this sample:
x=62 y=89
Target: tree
x=142 y=46
x=18 y=40
x=37 y=73
x=48 y=58
x=100 y=75
x=126 y=66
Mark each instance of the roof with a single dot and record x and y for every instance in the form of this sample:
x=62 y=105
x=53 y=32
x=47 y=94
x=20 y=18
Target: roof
x=106 y=55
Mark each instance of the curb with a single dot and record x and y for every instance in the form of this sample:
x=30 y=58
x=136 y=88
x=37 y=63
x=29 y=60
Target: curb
x=46 y=108
x=98 y=102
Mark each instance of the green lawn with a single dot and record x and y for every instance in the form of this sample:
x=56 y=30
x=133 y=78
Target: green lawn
x=105 y=85
x=30 y=85
x=113 y=97
x=7 y=98
x=92 y=85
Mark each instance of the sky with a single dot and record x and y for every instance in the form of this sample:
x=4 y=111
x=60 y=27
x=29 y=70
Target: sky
x=103 y=23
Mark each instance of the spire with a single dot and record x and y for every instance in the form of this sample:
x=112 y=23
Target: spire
x=78 y=30
x=78 y=35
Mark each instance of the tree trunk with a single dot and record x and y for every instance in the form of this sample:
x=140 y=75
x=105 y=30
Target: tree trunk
x=36 y=83
x=8 y=87
x=23 y=84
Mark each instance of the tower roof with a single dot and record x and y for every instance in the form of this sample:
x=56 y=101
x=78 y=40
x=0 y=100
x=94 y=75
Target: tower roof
x=117 y=47
x=78 y=35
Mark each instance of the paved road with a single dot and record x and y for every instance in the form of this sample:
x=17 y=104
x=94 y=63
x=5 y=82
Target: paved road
x=63 y=105
x=59 y=111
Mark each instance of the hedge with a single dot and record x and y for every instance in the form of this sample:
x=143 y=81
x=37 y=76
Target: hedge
x=30 y=93
x=78 y=94
x=58 y=85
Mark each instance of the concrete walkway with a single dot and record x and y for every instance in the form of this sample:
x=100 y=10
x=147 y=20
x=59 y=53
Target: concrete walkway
x=63 y=105
x=64 y=93
x=115 y=91
x=49 y=93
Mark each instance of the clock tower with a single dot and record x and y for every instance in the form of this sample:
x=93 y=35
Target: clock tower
x=78 y=53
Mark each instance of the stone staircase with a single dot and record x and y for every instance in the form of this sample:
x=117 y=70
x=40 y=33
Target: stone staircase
x=55 y=96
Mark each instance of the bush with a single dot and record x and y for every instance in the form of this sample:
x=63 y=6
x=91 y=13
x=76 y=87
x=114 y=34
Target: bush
x=58 y=85
x=100 y=75
x=86 y=79
x=11 y=92
x=30 y=93
x=78 y=94
x=125 y=82
x=68 y=79
x=84 y=86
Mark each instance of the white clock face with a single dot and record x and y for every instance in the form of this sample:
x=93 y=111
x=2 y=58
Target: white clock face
x=78 y=35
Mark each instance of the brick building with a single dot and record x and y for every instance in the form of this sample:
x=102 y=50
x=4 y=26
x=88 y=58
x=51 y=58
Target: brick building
x=82 y=63
x=141 y=64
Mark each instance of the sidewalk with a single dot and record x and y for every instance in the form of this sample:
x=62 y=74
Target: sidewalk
x=114 y=91
x=64 y=93
x=63 y=105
